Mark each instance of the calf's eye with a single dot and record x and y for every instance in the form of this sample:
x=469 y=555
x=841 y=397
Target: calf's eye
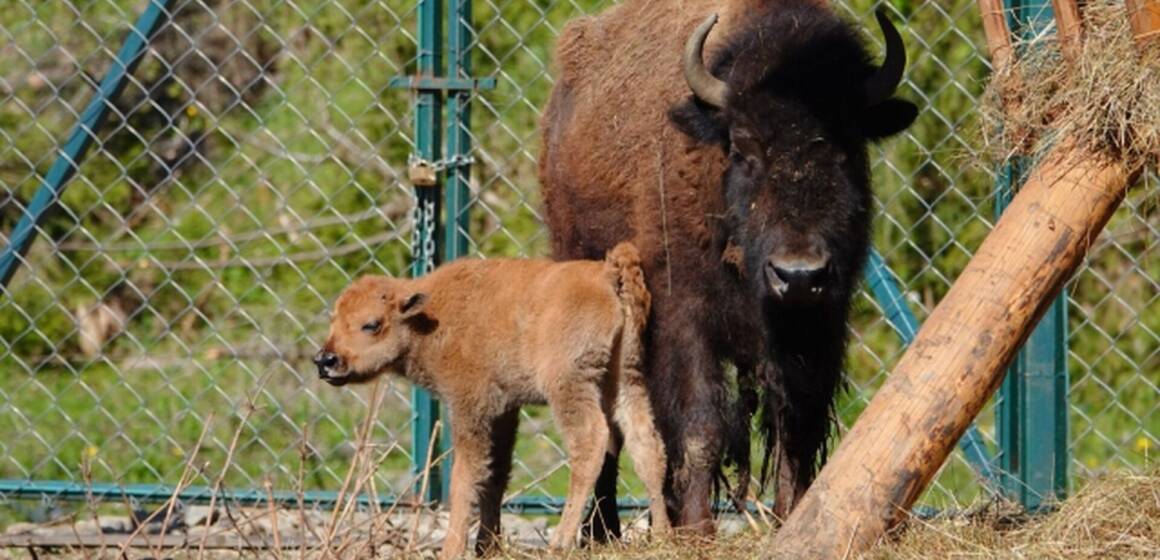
x=372 y=327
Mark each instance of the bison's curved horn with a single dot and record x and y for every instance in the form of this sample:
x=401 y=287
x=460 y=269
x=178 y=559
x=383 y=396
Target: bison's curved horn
x=880 y=86
x=706 y=87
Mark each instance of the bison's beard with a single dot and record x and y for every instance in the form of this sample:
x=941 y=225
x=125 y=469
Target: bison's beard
x=805 y=352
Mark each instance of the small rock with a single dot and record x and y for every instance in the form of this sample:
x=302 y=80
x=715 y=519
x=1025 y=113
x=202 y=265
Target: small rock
x=732 y=524
x=264 y=526
x=524 y=529
x=21 y=528
x=201 y=515
x=105 y=524
x=155 y=520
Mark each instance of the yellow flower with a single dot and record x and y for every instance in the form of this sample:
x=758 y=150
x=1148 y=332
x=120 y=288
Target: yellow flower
x=1143 y=444
x=90 y=452
x=190 y=111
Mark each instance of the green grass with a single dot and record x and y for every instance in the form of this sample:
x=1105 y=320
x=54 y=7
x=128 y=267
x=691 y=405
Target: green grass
x=293 y=155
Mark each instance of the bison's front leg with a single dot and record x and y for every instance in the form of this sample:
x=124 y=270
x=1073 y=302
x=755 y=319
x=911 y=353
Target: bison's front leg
x=686 y=383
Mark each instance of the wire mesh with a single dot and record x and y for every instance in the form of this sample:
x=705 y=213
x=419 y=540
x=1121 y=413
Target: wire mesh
x=256 y=164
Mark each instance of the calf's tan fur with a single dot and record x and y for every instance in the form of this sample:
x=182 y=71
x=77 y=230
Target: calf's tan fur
x=488 y=336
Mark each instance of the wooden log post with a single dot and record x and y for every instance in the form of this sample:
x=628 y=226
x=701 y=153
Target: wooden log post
x=1068 y=26
x=1144 y=16
x=958 y=359
x=997 y=34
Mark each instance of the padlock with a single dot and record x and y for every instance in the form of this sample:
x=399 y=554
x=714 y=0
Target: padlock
x=422 y=174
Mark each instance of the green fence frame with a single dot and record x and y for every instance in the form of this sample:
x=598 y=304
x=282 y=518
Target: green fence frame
x=155 y=14
x=1032 y=409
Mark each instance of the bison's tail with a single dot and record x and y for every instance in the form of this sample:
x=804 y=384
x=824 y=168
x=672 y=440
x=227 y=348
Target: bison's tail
x=623 y=265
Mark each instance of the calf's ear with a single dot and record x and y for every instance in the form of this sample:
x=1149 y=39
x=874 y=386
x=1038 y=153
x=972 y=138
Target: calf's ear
x=887 y=118
x=412 y=306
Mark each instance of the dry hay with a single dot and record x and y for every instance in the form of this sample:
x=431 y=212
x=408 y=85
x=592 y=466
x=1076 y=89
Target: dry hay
x=1114 y=517
x=1110 y=518
x=1107 y=98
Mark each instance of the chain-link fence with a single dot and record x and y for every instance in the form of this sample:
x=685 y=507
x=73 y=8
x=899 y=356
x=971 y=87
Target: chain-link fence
x=256 y=163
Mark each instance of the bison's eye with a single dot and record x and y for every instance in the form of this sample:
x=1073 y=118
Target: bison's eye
x=742 y=161
x=739 y=161
x=372 y=327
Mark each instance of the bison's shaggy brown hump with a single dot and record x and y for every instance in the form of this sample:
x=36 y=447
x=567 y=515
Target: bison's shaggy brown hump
x=615 y=140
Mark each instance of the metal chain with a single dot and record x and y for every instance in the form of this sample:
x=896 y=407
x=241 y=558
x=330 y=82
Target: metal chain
x=414 y=160
x=423 y=234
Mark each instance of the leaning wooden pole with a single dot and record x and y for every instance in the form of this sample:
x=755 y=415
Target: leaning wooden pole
x=958 y=359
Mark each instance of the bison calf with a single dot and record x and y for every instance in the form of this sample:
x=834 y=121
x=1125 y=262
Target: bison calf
x=488 y=336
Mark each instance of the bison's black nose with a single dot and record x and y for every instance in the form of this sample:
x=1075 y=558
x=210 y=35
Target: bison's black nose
x=795 y=282
x=325 y=361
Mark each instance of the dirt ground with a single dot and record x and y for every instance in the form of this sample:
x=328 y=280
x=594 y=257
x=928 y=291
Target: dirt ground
x=1114 y=517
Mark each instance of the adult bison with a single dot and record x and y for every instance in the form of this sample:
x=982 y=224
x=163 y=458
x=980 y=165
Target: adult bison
x=745 y=184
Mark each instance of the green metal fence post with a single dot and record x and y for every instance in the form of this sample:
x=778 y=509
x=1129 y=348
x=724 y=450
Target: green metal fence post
x=456 y=196
x=1032 y=411
x=458 y=136
x=434 y=93
x=428 y=131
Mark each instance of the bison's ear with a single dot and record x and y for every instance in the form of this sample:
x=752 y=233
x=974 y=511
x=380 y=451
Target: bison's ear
x=887 y=118
x=700 y=121
x=412 y=306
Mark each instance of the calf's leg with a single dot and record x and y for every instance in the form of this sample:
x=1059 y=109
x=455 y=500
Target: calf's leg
x=467 y=470
x=576 y=406
x=633 y=414
x=603 y=525
x=503 y=438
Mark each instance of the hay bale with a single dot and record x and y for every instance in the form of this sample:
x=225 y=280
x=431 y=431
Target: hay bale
x=1107 y=96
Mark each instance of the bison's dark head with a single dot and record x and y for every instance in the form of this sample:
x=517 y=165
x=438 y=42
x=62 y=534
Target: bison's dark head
x=793 y=99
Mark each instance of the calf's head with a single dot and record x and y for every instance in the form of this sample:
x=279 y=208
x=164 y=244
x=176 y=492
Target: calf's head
x=795 y=107
x=375 y=322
